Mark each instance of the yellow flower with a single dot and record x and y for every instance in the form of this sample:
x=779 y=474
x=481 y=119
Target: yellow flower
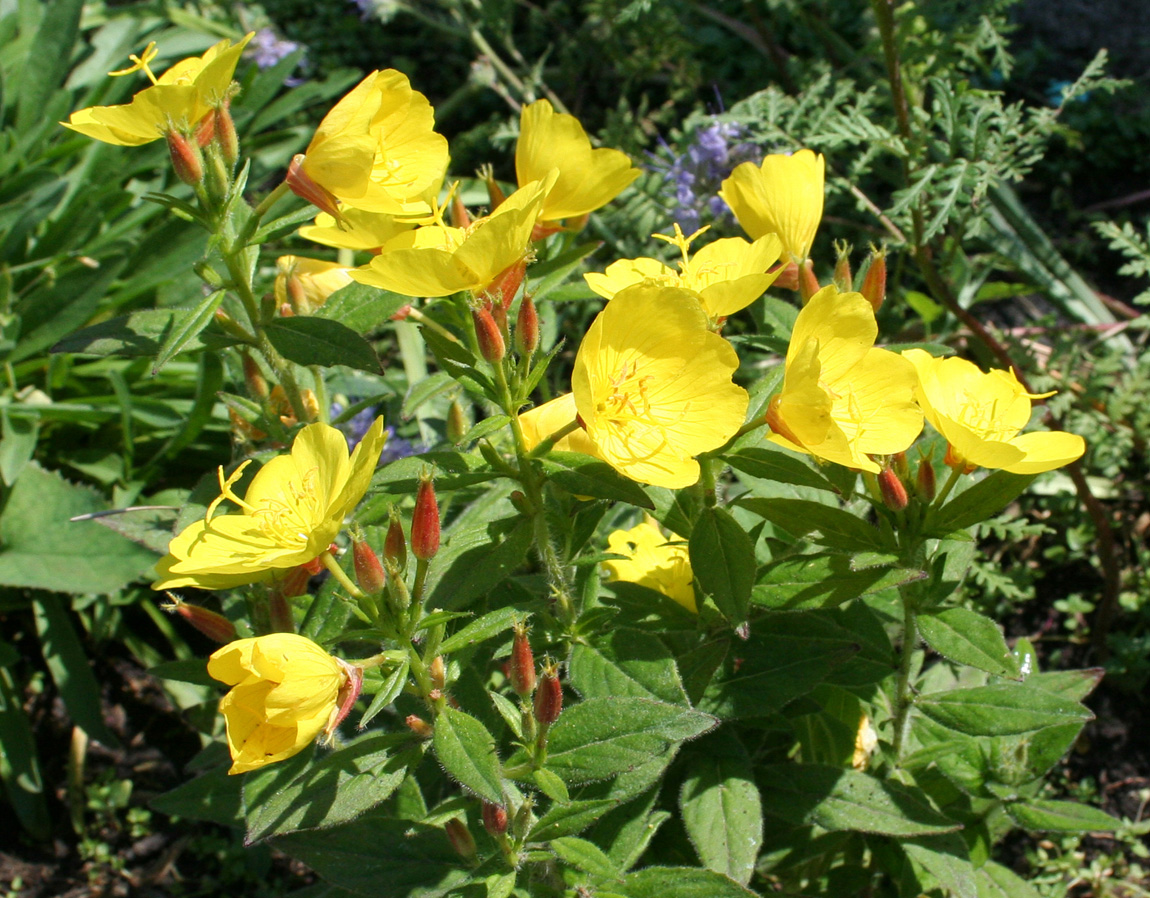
x=375 y=150
x=652 y=562
x=981 y=414
x=783 y=196
x=285 y=690
x=356 y=229
x=543 y=420
x=587 y=179
x=307 y=283
x=652 y=385
x=842 y=399
x=728 y=275
x=437 y=260
x=294 y=508
x=177 y=100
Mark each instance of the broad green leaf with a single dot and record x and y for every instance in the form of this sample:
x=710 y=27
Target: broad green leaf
x=340 y=787
x=48 y=61
x=947 y=860
x=392 y=687
x=214 y=796
x=681 y=882
x=478 y=568
x=70 y=668
x=1005 y=709
x=840 y=799
x=626 y=662
x=150 y=527
x=967 y=637
x=996 y=881
x=982 y=501
x=723 y=562
x=140 y=333
x=582 y=475
x=467 y=752
x=837 y=529
x=186 y=327
x=603 y=737
x=360 y=307
x=779 y=466
x=819 y=581
x=482 y=628
x=17 y=444
x=721 y=808
x=571 y=818
x=1040 y=815
x=427 y=388
x=321 y=341
x=452 y=470
x=585 y=856
x=550 y=785
x=19 y=763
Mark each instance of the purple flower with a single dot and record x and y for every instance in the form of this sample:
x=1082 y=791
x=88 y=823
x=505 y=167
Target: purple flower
x=267 y=48
x=357 y=425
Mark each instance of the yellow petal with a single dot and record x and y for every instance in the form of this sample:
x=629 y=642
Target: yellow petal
x=232 y=664
x=543 y=420
x=1046 y=450
x=358 y=230
x=783 y=196
x=627 y=272
x=844 y=326
x=652 y=562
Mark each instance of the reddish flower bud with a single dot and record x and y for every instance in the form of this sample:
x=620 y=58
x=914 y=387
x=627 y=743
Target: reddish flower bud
x=279 y=613
x=346 y=697
x=924 y=481
x=456 y=421
x=214 y=626
x=519 y=502
x=313 y=567
x=419 y=726
x=549 y=696
x=460 y=838
x=893 y=491
x=808 y=283
x=368 y=571
x=494 y=191
x=425 y=522
x=527 y=327
x=187 y=160
x=437 y=671
x=545 y=229
x=788 y=278
x=294 y=581
x=842 y=275
x=901 y=465
x=395 y=543
x=226 y=136
x=874 y=284
x=401 y=313
x=494 y=818
x=522 y=663
x=501 y=291
x=460 y=217
x=491 y=345
x=254 y=378
x=305 y=188
x=205 y=130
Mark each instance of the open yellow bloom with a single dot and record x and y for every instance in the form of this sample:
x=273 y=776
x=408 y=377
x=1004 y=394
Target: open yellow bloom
x=652 y=385
x=728 y=275
x=355 y=229
x=981 y=414
x=177 y=99
x=842 y=399
x=375 y=150
x=543 y=420
x=588 y=178
x=307 y=283
x=782 y=196
x=652 y=562
x=285 y=690
x=438 y=260
x=294 y=508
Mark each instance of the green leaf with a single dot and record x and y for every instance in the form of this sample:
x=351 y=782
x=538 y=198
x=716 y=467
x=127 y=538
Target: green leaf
x=467 y=752
x=837 y=529
x=626 y=662
x=550 y=785
x=320 y=341
x=186 y=670
x=1061 y=817
x=214 y=796
x=186 y=327
x=603 y=737
x=478 y=566
x=568 y=819
x=1005 y=709
x=946 y=859
x=17 y=445
x=996 y=881
x=423 y=390
x=150 y=527
x=967 y=637
x=392 y=687
x=343 y=785
x=681 y=882
x=71 y=669
x=723 y=561
x=138 y=334
x=360 y=307
x=582 y=475
x=585 y=856
x=840 y=799
x=721 y=807
x=482 y=628
x=982 y=501
x=779 y=466
x=825 y=580
x=19 y=763
x=48 y=60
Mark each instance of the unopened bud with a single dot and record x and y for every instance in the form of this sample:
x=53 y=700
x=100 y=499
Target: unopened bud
x=226 y=137
x=346 y=698
x=208 y=275
x=522 y=671
x=549 y=696
x=254 y=378
x=313 y=567
x=456 y=421
x=214 y=626
x=494 y=818
x=368 y=571
x=901 y=465
x=577 y=224
x=893 y=492
x=217 y=176
x=527 y=327
x=924 y=482
x=490 y=454
x=294 y=582
x=808 y=283
x=460 y=217
x=279 y=613
x=401 y=313
x=520 y=502
x=788 y=278
x=395 y=543
x=545 y=229
x=437 y=671
x=491 y=345
x=297 y=295
x=521 y=825
x=419 y=726
x=494 y=191
x=301 y=184
x=842 y=275
x=460 y=838
x=425 y=522
x=205 y=131
x=501 y=291
x=187 y=160
x=874 y=284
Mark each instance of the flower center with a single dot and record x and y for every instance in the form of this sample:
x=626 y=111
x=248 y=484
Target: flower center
x=983 y=417
x=287 y=519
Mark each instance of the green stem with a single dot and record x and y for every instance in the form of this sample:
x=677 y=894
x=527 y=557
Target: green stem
x=955 y=473
x=707 y=481
x=548 y=444
x=260 y=211
x=420 y=579
x=903 y=698
x=341 y=576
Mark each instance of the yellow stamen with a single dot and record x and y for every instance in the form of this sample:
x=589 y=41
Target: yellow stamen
x=684 y=243
x=140 y=63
